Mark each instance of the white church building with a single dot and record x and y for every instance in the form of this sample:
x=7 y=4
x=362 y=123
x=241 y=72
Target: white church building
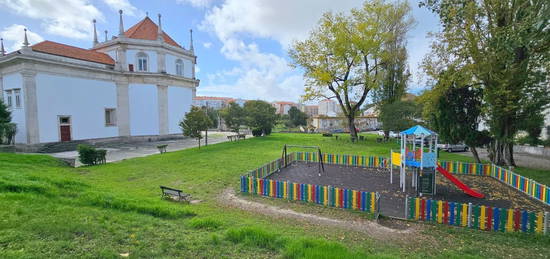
x=139 y=83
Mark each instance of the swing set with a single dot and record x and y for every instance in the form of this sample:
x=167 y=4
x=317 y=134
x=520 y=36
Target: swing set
x=285 y=156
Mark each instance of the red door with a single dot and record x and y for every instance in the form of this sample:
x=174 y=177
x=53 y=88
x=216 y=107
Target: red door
x=65 y=132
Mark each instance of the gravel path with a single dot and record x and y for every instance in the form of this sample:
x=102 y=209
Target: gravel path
x=125 y=150
x=369 y=227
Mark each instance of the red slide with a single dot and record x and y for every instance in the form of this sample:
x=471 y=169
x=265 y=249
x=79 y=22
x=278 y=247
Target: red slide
x=459 y=184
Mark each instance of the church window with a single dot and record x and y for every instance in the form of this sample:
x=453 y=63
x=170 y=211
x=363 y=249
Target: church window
x=17 y=94
x=110 y=117
x=8 y=98
x=179 y=67
x=142 y=62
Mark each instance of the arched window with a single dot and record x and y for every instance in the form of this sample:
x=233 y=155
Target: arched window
x=179 y=67
x=142 y=62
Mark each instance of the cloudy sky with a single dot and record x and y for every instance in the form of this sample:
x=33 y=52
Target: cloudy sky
x=241 y=44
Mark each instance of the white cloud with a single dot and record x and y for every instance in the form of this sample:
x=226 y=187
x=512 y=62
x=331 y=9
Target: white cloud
x=207 y=45
x=259 y=74
x=13 y=36
x=196 y=3
x=67 y=18
x=125 y=6
x=282 y=20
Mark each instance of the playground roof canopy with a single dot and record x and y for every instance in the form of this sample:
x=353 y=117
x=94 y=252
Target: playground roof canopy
x=417 y=131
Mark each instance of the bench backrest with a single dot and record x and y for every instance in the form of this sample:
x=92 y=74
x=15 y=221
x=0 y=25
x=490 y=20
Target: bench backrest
x=171 y=191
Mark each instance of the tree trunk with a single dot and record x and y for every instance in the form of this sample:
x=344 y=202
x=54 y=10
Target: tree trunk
x=206 y=137
x=475 y=154
x=386 y=134
x=199 y=139
x=501 y=153
x=352 y=130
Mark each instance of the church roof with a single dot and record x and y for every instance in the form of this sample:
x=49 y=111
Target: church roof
x=63 y=50
x=147 y=30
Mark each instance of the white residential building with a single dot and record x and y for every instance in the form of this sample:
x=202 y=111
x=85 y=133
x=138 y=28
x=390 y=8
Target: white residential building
x=139 y=83
x=329 y=107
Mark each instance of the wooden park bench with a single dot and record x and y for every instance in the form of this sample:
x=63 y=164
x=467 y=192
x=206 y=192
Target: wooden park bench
x=162 y=148
x=236 y=137
x=174 y=194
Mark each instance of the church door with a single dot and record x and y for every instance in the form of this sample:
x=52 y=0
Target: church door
x=65 y=128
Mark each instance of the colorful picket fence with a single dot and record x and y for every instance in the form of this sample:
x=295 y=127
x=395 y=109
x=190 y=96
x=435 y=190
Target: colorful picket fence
x=477 y=217
x=455 y=167
x=325 y=195
x=528 y=186
x=342 y=159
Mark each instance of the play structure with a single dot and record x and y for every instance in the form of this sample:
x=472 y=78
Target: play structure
x=418 y=157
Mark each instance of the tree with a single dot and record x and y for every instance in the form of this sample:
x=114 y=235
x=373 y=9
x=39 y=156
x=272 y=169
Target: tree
x=233 y=116
x=297 y=117
x=213 y=114
x=395 y=74
x=344 y=54
x=458 y=111
x=7 y=129
x=399 y=115
x=505 y=46
x=195 y=121
x=260 y=117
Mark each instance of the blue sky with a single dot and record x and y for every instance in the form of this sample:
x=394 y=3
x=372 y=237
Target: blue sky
x=241 y=44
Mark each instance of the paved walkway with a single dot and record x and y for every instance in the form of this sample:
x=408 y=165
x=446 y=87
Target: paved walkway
x=126 y=150
x=522 y=159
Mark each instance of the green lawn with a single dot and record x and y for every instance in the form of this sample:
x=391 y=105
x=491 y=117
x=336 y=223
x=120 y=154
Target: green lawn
x=50 y=210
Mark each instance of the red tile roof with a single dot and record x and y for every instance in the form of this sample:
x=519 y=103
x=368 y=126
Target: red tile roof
x=147 y=30
x=285 y=103
x=213 y=98
x=63 y=50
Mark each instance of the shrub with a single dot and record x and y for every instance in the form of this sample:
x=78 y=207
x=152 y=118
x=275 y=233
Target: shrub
x=257 y=132
x=90 y=156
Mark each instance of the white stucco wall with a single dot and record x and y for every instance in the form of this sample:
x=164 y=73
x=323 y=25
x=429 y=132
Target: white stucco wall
x=179 y=103
x=171 y=65
x=131 y=58
x=15 y=81
x=84 y=100
x=144 y=117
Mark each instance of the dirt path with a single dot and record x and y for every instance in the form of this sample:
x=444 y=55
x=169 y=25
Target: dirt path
x=371 y=228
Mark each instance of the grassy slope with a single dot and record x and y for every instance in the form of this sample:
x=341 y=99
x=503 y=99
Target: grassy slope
x=52 y=210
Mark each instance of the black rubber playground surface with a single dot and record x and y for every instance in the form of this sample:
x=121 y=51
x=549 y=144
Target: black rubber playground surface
x=392 y=201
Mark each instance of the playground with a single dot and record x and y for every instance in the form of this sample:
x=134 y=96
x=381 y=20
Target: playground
x=413 y=172
x=392 y=198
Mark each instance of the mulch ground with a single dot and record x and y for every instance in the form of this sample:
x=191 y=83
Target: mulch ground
x=392 y=201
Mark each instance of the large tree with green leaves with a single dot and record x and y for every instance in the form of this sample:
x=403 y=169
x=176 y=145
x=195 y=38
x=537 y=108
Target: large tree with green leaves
x=399 y=115
x=297 y=117
x=233 y=116
x=195 y=121
x=457 y=112
x=504 y=44
x=395 y=73
x=343 y=56
x=260 y=117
